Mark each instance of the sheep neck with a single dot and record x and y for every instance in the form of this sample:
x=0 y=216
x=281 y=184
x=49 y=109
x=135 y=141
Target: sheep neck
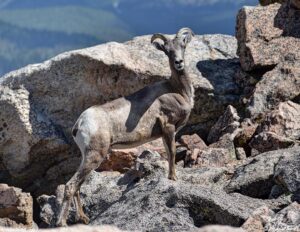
x=182 y=82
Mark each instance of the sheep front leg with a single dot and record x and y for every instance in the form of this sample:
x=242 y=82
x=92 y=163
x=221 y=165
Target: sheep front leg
x=169 y=142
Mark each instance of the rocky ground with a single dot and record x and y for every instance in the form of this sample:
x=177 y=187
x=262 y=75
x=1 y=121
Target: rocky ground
x=238 y=159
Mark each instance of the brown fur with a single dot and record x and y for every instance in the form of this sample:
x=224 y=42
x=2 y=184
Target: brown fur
x=155 y=111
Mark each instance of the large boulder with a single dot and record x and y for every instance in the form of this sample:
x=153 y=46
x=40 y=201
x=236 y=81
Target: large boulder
x=256 y=177
x=288 y=218
x=257 y=221
x=16 y=208
x=295 y=4
x=77 y=228
x=80 y=228
x=287 y=173
x=268 y=2
x=122 y=160
x=280 y=84
x=264 y=219
x=266 y=35
x=40 y=103
x=280 y=128
x=228 y=123
x=146 y=200
x=210 y=157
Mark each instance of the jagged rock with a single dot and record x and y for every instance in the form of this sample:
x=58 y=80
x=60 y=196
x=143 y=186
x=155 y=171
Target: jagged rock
x=122 y=160
x=40 y=103
x=228 y=123
x=214 y=157
x=221 y=137
x=287 y=172
x=219 y=229
x=218 y=154
x=119 y=160
x=192 y=141
x=255 y=178
x=145 y=199
x=240 y=153
x=206 y=176
x=16 y=207
x=279 y=85
x=280 y=128
x=257 y=221
x=226 y=142
x=81 y=228
x=6 y=222
x=210 y=157
x=244 y=136
x=77 y=228
x=295 y=3
x=188 y=148
x=268 y=2
x=276 y=192
x=288 y=219
x=266 y=34
x=247 y=82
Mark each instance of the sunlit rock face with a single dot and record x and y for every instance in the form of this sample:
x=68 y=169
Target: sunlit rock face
x=42 y=102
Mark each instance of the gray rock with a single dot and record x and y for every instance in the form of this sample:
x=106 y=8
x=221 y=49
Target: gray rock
x=295 y=4
x=267 y=34
x=287 y=219
x=287 y=172
x=77 y=228
x=279 y=85
x=16 y=208
x=279 y=129
x=240 y=153
x=257 y=221
x=218 y=154
x=276 y=191
x=40 y=103
x=144 y=199
x=215 y=157
x=80 y=228
x=218 y=228
x=255 y=178
x=228 y=123
x=98 y=192
x=268 y=2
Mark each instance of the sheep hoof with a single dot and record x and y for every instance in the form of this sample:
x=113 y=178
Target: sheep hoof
x=84 y=220
x=173 y=177
x=61 y=224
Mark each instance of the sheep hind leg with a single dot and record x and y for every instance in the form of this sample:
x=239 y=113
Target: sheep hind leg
x=80 y=215
x=169 y=142
x=92 y=159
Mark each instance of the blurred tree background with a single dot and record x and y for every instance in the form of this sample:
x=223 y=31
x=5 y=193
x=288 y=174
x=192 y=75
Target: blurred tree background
x=32 y=31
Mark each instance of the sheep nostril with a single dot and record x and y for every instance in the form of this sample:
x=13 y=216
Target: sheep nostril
x=177 y=62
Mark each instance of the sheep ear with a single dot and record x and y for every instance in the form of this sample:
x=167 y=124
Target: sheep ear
x=184 y=36
x=160 y=46
x=159 y=41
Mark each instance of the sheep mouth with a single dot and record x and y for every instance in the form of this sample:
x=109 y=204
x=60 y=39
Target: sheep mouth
x=179 y=67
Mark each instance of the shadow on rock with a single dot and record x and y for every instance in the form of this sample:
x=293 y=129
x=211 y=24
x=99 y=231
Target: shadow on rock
x=288 y=20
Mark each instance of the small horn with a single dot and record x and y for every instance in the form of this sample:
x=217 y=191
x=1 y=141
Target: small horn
x=183 y=31
x=159 y=36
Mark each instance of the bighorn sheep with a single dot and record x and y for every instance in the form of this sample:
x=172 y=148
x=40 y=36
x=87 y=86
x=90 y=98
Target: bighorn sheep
x=155 y=111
